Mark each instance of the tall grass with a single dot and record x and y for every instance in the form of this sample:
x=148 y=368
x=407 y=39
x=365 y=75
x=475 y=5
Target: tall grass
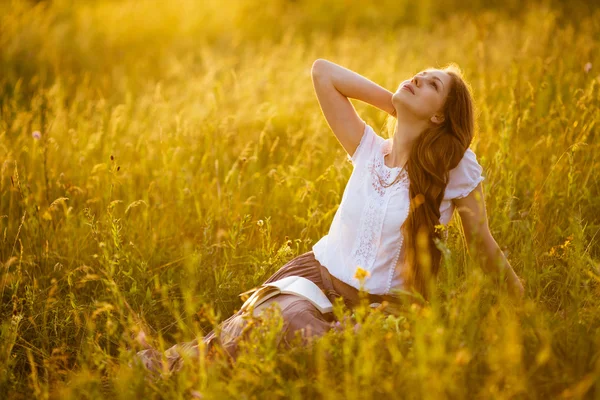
x=158 y=158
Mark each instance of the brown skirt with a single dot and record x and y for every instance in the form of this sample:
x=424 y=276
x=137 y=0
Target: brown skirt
x=298 y=315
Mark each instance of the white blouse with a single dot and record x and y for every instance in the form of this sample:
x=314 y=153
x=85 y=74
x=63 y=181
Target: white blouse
x=365 y=230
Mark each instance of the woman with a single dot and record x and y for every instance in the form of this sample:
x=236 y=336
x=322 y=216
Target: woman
x=401 y=189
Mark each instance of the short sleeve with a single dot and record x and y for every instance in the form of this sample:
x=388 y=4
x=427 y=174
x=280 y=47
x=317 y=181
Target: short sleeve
x=465 y=177
x=366 y=146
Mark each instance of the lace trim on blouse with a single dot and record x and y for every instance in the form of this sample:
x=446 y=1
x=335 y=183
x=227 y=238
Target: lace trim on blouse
x=370 y=226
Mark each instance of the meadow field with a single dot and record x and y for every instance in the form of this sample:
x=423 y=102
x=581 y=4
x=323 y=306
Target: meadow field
x=159 y=158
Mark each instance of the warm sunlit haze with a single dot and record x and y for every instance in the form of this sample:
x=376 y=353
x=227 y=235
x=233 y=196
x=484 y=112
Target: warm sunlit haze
x=158 y=158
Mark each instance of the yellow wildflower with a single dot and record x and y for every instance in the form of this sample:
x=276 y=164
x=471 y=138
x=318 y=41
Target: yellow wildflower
x=361 y=274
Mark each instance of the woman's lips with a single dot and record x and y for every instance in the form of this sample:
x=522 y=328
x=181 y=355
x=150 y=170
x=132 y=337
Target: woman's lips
x=407 y=87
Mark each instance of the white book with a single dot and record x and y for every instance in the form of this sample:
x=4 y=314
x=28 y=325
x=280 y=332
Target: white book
x=296 y=285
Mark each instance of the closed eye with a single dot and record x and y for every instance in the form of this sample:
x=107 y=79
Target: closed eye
x=434 y=85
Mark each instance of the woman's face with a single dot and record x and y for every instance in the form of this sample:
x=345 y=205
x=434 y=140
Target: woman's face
x=423 y=96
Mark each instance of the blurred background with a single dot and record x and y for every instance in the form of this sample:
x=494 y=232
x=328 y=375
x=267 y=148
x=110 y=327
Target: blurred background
x=160 y=157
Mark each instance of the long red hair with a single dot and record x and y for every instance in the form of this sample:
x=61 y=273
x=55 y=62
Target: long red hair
x=434 y=153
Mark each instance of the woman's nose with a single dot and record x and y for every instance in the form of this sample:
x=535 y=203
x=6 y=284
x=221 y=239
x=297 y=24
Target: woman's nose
x=416 y=81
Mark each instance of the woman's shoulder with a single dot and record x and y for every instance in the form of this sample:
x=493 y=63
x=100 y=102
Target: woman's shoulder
x=369 y=142
x=465 y=177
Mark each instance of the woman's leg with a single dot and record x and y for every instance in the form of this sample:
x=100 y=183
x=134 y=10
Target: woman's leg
x=297 y=313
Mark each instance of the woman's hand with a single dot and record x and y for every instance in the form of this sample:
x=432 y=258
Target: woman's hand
x=515 y=287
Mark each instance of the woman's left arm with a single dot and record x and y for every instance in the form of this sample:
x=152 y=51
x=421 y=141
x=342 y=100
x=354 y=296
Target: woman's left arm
x=475 y=224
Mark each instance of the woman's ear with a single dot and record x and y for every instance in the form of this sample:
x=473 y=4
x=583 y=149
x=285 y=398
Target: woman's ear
x=437 y=118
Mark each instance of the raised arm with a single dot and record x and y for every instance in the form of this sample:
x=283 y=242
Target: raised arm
x=475 y=224
x=334 y=85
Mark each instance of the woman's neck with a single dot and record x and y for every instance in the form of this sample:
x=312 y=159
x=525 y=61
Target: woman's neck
x=404 y=137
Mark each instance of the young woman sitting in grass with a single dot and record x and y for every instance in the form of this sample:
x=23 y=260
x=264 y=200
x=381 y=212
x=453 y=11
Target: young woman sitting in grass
x=400 y=194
